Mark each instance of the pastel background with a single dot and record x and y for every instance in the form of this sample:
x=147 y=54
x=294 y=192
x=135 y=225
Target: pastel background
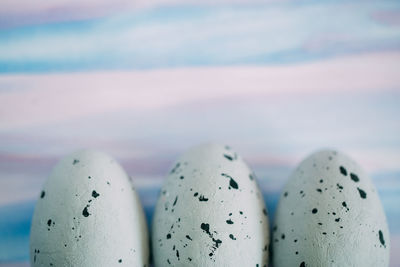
x=146 y=80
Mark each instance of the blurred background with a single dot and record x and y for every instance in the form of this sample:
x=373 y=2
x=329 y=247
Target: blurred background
x=146 y=80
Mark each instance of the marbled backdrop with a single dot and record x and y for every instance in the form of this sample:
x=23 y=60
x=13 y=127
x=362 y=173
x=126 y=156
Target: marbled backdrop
x=145 y=80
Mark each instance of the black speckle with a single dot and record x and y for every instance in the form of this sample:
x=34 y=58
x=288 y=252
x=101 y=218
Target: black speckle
x=362 y=193
x=85 y=212
x=75 y=162
x=314 y=210
x=251 y=176
x=188 y=237
x=337 y=219
x=42 y=194
x=229 y=221
x=232 y=237
x=232 y=183
x=205 y=227
x=321 y=181
x=319 y=190
x=176 y=199
x=228 y=157
x=265 y=212
x=283 y=236
x=345 y=205
x=285 y=194
x=354 y=177
x=175 y=168
x=196 y=194
x=120 y=260
x=303 y=264
x=203 y=198
x=343 y=170
x=168 y=236
x=49 y=222
x=182 y=177
x=381 y=239
x=95 y=194
x=339 y=186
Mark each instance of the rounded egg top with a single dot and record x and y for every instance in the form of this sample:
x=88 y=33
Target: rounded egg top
x=88 y=214
x=330 y=214
x=210 y=212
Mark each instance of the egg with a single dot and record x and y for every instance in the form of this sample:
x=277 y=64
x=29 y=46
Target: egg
x=210 y=212
x=330 y=214
x=88 y=214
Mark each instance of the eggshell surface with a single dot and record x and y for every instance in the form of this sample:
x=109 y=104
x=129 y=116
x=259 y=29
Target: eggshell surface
x=330 y=214
x=210 y=212
x=88 y=214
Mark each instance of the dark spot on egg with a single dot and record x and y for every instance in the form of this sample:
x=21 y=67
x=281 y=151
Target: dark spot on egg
x=205 y=227
x=340 y=187
x=228 y=157
x=85 y=212
x=232 y=182
x=362 y=193
x=354 y=177
x=42 y=194
x=381 y=239
x=120 y=260
x=188 y=237
x=314 y=210
x=95 y=194
x=303 y=264
x=203 y=198
x=232 y=237
x=75 y=162
x=229 y=221
x=265 y=212
x=343 y=170
x=168 y=236
x=175 y=168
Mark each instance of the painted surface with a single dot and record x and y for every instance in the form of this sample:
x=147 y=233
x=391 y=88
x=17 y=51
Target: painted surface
x=329 y=214
x=210 y=210
x=146 y=80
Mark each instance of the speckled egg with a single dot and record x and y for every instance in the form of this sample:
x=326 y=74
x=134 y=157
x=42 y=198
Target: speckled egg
x=329 y=214
x=88 y=214
x=210 y=212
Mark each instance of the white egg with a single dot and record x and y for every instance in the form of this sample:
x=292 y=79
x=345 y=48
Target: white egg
x=88 y=214
x=329 y=214
x=210 y=212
